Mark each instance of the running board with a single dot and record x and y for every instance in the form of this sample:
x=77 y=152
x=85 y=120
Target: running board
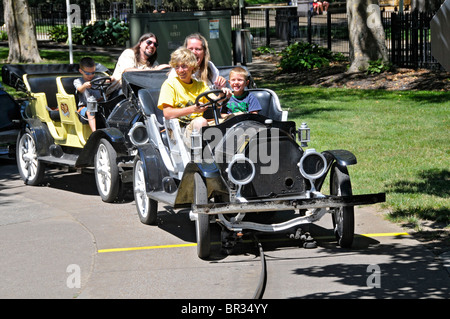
x=65 y=160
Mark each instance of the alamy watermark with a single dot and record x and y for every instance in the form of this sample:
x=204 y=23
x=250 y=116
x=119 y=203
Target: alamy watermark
x=374 y=16
x=74 y=279
x=374 y=279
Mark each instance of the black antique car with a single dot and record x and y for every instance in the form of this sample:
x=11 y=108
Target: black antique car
x=10 y=122
x=250 y=164
x=53 y=133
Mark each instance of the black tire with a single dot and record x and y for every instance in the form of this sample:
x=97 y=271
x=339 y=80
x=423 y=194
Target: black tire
x=106 y=171
x=343 y=217
x=31 y=170
x=147 y=208
x=202 y=224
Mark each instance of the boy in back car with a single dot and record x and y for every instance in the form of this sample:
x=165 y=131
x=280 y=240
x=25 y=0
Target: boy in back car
x=84 y=90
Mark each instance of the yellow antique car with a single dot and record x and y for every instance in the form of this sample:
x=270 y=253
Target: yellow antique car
x=54 y=133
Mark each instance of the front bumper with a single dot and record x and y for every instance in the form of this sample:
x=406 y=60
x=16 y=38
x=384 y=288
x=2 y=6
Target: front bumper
x=316 y=208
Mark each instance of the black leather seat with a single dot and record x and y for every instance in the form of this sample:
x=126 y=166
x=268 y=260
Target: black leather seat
x=269 y=103
x=149 y=100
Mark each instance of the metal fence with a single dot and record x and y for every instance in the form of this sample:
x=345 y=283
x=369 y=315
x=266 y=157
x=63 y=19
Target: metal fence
x=407 y=35
x=410 y=40
x=284 y=26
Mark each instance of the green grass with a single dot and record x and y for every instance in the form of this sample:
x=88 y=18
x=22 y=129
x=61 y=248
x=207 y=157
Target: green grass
x=401 y=141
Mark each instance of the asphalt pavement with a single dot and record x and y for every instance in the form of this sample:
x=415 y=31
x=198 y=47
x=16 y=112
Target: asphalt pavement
x=60 y=241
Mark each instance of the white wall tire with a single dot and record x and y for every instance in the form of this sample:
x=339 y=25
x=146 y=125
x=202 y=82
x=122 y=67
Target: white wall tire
x=31 y=170
x=147 y=208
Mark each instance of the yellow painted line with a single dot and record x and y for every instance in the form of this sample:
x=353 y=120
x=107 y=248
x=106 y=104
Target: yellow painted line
x=144 y=248
x=384 y=234
x=215 y=243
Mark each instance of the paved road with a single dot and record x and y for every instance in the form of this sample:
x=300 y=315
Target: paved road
x=55 y=234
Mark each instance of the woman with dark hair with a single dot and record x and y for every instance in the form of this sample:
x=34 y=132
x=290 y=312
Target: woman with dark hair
x=140 y=57
x=207 y=71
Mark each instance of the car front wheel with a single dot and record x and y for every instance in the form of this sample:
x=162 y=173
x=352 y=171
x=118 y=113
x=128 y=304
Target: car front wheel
x=202 y=224
x=343 y=217
x=106 y=171
x=31 y=170
x=147 y=208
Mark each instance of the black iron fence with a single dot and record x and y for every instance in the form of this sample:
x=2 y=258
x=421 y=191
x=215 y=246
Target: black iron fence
x=410 y=40
x=407 y=34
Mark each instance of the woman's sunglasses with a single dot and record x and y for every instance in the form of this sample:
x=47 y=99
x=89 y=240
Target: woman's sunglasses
x=150 y=42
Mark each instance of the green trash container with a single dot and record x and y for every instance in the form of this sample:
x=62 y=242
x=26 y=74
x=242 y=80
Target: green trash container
x=171 y=28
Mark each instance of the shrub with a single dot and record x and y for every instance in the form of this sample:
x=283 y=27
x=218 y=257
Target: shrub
x=378 y=66
x=105 y=33
x=265 y=50
x=301 y=56
x=3 y=36
x=58 y=33
x=101 y=33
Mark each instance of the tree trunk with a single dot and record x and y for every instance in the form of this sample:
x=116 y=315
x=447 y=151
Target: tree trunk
x=21 y=32
x=366 y=34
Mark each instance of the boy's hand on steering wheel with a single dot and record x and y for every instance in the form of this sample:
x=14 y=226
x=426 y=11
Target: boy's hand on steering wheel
x=200 y=108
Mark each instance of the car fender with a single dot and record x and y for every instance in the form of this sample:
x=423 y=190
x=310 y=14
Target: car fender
x=41 y=135
x=113 y=135
x=210 y=173
x=342 y=157
x=154 y=169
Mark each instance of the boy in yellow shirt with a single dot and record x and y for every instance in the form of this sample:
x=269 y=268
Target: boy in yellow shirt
x=178 y=94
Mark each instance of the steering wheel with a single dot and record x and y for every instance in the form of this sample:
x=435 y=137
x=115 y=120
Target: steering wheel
x=213 y=101
x=101 y=83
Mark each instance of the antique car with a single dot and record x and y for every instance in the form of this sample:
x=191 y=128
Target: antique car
x=10 y=123
x=53 y=132
x=247 y=165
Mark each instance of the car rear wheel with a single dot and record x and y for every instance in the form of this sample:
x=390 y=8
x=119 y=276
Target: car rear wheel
x=202 y=224
x=31 y=170
x=147 y=208
x=343 y=217
x=106 y=171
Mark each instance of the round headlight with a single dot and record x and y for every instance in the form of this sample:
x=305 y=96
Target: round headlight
x=241 y=170
x=312 y=164
x=138 y=134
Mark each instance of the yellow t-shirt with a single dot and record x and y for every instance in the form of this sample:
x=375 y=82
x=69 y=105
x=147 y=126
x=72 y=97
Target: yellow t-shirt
x=177 y=94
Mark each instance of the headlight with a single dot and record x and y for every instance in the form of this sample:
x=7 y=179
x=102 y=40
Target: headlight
x=312 y=164
x=138 y=134
x=241 y=170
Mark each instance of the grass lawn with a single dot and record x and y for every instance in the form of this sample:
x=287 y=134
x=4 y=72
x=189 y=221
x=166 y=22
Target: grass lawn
x=401 y=139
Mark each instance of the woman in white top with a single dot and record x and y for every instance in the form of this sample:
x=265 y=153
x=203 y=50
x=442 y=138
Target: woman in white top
x=207 y=71
x=138 y=58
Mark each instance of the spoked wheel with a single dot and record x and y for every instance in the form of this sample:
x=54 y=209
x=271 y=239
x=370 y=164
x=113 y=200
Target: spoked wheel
x=106 y=172
x=343 y=217
x=147 y=208
x=202 y=225
x=31 y=170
